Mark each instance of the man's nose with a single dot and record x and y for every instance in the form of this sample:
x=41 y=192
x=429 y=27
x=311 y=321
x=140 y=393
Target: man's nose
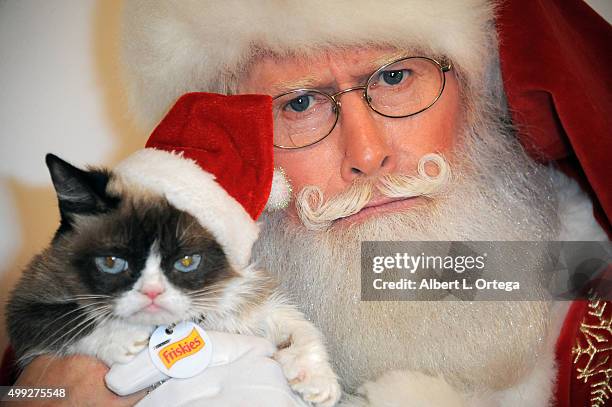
x=367 y=151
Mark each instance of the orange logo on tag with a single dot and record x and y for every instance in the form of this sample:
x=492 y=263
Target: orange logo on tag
x=188 y=346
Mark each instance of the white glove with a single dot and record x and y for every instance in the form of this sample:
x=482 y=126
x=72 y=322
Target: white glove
x=241 y=373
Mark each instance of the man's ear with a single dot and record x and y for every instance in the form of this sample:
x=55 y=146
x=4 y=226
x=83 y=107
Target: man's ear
x=78 y=192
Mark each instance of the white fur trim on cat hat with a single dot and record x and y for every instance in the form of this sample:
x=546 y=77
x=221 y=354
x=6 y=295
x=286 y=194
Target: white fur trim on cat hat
x=173 y=47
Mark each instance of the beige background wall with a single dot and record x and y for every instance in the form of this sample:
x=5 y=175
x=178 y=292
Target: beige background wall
x=59 y=93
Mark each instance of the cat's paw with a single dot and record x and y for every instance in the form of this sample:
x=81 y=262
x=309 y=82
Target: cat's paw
x=122 y=346
x=310 y=375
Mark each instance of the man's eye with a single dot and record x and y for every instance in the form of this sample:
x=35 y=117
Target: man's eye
x=394 y=77
x=300 y=103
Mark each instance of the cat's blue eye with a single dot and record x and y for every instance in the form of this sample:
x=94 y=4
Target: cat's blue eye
x=188 y=263
x=111 y=264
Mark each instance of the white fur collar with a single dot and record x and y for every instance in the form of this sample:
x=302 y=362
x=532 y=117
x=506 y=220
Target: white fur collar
x=576 y=211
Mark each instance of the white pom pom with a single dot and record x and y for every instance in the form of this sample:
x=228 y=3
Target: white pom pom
x=280 y=195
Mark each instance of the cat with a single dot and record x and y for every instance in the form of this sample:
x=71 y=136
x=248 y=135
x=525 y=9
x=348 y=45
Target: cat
x=121 y=264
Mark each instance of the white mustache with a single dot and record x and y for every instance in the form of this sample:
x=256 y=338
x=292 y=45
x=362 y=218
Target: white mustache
x=318 y=215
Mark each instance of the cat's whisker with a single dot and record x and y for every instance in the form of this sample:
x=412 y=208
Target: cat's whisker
x=205 y=304
x=65 y=324
x=89 y=316
x=89 y=295
x=210 y=287
x=91 y=320
x=43 y=345
x=207 y=301
x=85 y=297
x=207 y=296
x=200 y=308
x=208 y=291
x=98 y=319
x=81 y=308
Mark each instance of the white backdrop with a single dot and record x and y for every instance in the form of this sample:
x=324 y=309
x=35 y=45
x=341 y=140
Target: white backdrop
x=59 y=93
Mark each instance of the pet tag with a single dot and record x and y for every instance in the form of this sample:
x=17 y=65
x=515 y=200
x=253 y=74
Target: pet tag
x=181 y=350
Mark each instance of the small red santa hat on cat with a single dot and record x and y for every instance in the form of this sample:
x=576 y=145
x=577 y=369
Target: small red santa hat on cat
x=212 y=157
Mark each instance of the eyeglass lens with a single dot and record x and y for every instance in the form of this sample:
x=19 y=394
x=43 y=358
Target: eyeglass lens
x=403 y=88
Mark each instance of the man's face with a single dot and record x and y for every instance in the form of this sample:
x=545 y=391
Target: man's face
x=364 y=144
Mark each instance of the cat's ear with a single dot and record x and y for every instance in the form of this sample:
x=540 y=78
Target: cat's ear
x=78 y=191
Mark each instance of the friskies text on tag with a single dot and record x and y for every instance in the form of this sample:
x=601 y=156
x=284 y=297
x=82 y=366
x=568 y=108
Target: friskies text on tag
x=188 y=346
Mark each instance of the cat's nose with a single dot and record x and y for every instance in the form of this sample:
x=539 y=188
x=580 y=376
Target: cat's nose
x=152 y=293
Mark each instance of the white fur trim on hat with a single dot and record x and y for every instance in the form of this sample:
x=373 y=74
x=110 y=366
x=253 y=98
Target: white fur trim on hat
x=280 y=193
x=191 y=189
x=171 y=47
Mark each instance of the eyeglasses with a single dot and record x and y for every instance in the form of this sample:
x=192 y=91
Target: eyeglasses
x=402 y=88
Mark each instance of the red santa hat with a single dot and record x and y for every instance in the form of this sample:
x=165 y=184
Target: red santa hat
x=551 y=55
x=211 y=156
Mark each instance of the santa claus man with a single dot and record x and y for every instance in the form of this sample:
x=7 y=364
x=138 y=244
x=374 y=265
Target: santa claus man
x=362 y=93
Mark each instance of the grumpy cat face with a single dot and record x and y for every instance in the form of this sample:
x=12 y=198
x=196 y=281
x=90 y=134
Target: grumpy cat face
x=123 y=256
x=153 y=263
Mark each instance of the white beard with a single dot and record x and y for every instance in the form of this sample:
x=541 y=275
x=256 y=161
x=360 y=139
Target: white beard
x=500 y=194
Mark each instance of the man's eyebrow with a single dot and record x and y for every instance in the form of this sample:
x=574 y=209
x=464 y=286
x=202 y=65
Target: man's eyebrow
x=310 y=82
x=382 y=60
x=313 y=82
